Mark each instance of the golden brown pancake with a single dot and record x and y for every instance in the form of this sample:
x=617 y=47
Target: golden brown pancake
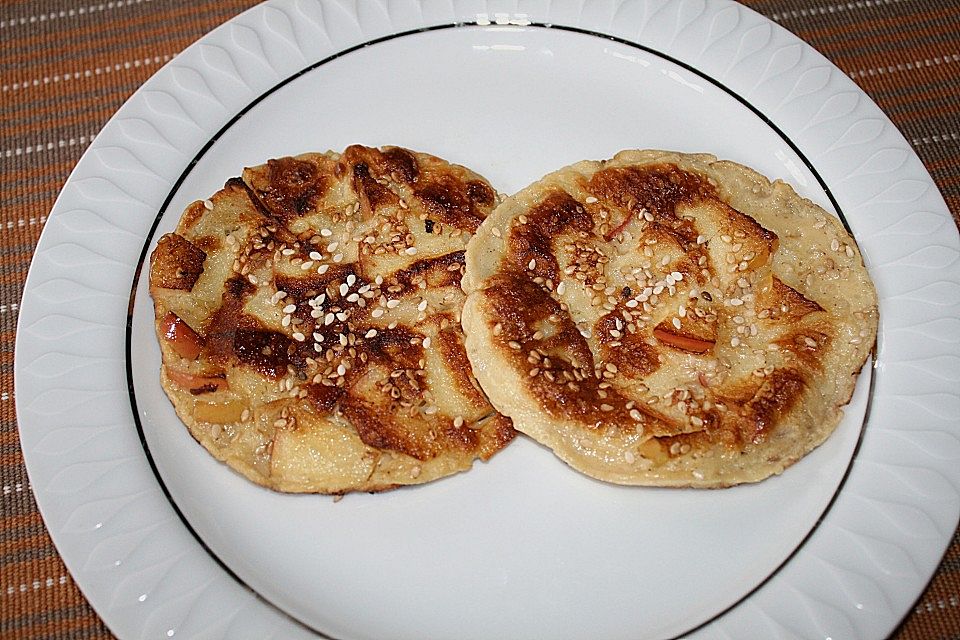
x=668 y=319
x=309 y=321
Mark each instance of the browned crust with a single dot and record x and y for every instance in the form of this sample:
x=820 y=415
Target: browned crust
x=176 y=263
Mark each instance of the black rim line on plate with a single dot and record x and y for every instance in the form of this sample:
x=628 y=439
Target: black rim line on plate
x=206 y=147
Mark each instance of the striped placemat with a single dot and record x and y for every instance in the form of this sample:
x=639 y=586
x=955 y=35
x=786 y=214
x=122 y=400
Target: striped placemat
x=67 y=66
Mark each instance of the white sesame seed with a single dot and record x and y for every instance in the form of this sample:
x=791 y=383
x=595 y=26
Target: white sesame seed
x=290 y=308
x=376 y=313
x=344 y=288
x=371 y=334
x=252 y=279
x=532 y=264
x=326 y=233
x=676 y=322
x=734 y=341
x=701 y=239
x=338 y=257
x=332 y=247
x=849 y=251
x=426 y=342
x=496 y=232
x=322 y=269
x=422 y=306
x=299 y=337
x=628 y=455
x=341 y=370
x=677 y=276
x=343 y=340
x=410 y=251
x=735 y=302
x=306 y=265
x=287 y=252
x=392 y=304
x=342 y=316
x=285 y=321
x=328 y=319
x=314 y=255
x=318 y=337
x=590 y=200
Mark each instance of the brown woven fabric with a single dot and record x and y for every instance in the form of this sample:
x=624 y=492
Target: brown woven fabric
x=65 y=67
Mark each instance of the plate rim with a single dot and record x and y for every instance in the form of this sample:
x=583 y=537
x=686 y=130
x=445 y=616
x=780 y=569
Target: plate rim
x=29 y=298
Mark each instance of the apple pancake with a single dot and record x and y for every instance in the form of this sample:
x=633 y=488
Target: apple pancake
x=308 y=315
x=668 y=319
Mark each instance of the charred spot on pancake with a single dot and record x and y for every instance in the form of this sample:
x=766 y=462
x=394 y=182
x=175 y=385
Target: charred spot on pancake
x=290 y=187
x=532 y=244
x=780 y=391
x=447 y=200
x=266 y=351
x=401 y=164
x=481 y=193
x=176 y=263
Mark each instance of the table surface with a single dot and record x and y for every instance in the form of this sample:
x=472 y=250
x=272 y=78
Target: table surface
x=67 y=66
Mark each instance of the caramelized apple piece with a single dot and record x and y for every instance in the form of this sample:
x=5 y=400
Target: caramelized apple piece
x=219 y=412
x=198 y=384
x=686 y=343
x=183 y=340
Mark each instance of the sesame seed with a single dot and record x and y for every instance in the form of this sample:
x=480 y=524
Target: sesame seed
x=513 y=344
x=318 y=337
x=676 y=322
x=392 y=304
x=496 y=232
x=701 y=239
x=326 y=233
x=338 y=257
x=849 y=251
x=458 y=422
x=299 y=337
x=341 y=369
x=636 y=415
x=534 y=372
x=344 y=288
x=252 y=279
x=328 y=319
x=353 y=297
x=735 y=302
x=286 y=320
x=287 y=252
x=606 y=407
x=315 y=256
x=426 y=342
x=422 y=306
x=590 y=200
x=696 y=421
x=208 y=205
x=376 y=313
x=532 y=264
x=734 y=341
x=306 y=265
x=676 y=275
x=834 y=244
x=628 y=455
x=322 y=269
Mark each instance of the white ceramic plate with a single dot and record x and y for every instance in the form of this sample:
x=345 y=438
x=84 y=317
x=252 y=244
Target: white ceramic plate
x=164 y=541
